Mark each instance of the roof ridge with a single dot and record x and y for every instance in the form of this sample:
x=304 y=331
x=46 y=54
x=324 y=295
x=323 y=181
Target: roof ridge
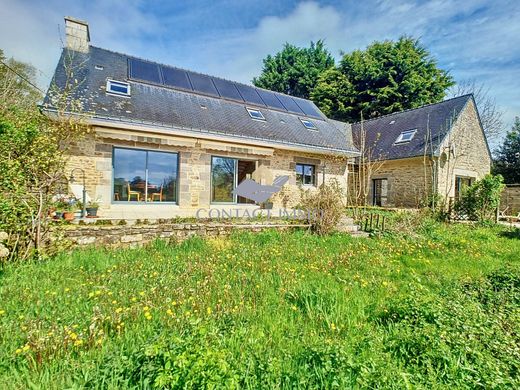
x=200 y=73
x=416 y=108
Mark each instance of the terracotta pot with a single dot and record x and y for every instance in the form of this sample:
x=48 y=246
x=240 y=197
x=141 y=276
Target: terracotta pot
x=68 y=215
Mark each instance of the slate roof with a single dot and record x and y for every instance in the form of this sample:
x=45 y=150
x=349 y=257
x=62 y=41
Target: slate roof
x=381 y=133
x=172 y=108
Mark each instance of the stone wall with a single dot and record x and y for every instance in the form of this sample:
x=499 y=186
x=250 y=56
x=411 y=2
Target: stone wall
x=120 y=236
x=510 y=201
x=463 y=153
x=94 y=155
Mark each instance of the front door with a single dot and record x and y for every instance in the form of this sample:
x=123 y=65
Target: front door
x=380 y=192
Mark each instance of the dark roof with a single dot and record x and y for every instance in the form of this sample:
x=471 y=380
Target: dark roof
x=381 y=133
x=174 y=108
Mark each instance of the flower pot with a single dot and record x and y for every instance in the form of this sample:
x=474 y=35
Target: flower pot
x=92 y=211
x=68 y=215
x=58 y=215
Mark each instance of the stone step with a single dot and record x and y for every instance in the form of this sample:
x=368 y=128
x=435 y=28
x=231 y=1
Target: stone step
x=360 y=234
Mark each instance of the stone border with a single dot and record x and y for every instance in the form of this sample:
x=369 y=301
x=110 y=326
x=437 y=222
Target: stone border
x=118 y=236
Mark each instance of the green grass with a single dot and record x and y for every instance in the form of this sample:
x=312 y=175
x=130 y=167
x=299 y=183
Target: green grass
x=439 y=309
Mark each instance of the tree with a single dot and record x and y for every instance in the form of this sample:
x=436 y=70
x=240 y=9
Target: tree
x=508 y=155
x=386 y=77
x=490 y=114
x=295 y=70
x=34 y=151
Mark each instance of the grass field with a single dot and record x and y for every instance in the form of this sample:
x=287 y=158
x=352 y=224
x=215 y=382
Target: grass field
x=439 y=308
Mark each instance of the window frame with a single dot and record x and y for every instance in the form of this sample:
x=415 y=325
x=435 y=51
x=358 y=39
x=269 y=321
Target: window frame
x=400 y=139
x=312 y=124
x=250 y=110
x=146 y=202
x=235 y=180
x=111 y=82
x=314 y=174
x=374 y=195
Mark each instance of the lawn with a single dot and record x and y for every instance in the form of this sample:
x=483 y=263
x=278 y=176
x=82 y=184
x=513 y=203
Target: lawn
x=436 y=308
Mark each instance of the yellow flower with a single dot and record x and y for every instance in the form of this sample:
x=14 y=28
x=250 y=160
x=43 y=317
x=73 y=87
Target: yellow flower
x=73 y=336
x=208 y=310
x=169 y=312
x=119 y=310
x=148 y=316
x=146 y=308
x=114 y=302
x=134 y=299
x=77 y=343
x=67 y=289
x=2 y=312
x=141 y=293
x=26 y=347
x=332 y=326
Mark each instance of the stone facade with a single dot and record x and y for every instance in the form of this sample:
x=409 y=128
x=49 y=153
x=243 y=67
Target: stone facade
x=510 y=201
x=94 y=156
x=463 y=153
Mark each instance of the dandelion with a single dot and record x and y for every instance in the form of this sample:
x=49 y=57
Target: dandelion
x=2 y=312
x=333 y=326
x=208 y=310
x=73 y=336
x=77 y=343
x=26 y=347
x=67 y=289
x=169 y=312
x=133 y=299
x=18 y=351
x=119 y=310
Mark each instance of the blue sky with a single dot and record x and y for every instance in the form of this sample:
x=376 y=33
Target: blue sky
x=472 y=39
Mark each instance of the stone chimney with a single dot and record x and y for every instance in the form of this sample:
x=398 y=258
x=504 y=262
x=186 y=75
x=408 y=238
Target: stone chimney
x=77 y=34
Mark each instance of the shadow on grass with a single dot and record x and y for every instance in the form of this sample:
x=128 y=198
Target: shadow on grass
x=515 y=233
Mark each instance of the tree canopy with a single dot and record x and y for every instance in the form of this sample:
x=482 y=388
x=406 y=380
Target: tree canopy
x=386 y=77
x=508 y=155
x=295 y=70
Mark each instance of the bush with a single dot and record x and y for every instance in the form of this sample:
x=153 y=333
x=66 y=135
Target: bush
x=480 y=200
x=327 y=206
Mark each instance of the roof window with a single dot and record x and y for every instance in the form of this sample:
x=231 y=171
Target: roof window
x=118 y=88
x=255 y=114
x=309 y=124
x=406 y=136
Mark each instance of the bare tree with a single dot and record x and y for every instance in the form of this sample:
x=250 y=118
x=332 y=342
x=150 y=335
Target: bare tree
x=490 y=114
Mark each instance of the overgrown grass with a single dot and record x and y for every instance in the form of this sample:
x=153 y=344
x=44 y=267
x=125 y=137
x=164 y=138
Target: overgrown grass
x=440 y=309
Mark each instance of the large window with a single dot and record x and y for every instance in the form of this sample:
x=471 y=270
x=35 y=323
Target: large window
x=145 y=176
x=305 y=174
x=380 y=192
x=226 y=174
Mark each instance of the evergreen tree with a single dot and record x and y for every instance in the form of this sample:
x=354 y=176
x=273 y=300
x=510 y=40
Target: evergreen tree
x=508 y=162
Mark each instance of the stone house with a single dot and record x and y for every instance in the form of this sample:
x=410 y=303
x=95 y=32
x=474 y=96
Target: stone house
x=170 y=142
x=435 y=149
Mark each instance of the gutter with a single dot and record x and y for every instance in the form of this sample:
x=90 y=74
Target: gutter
x=206 y=134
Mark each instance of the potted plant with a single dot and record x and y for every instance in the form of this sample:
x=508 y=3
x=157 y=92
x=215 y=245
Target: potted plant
x=61 y=206
x=92 y=208
x=68 y=213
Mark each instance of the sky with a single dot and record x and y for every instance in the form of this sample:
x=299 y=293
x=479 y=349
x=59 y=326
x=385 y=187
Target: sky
x=473 y=39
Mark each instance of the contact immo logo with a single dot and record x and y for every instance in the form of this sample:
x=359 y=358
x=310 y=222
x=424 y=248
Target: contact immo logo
x=259 y=193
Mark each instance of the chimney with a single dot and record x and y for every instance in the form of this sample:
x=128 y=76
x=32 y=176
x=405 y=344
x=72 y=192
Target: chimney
x=77 y=34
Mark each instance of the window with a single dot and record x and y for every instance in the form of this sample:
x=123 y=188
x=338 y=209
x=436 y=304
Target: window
x=255 y=114
x=405 y=136
x=226 y=174
x=461 y=183
x=118 y=88
x=309 y=124
x=305 y=174
x=142 y=176
x=379 y=192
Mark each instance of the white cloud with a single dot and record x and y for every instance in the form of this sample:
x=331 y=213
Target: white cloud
x=474 y=39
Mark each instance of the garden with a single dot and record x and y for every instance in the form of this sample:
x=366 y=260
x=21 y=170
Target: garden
x=432 y=305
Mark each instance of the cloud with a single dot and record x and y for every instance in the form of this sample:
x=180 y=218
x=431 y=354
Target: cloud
x=229 y=38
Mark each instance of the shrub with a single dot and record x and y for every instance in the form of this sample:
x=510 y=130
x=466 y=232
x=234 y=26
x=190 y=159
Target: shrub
x=480 y=200
x=327 y=206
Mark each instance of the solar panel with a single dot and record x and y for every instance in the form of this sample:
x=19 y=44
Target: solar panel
x=143 y=70
x=270 y=99
x=308 y=108
x=227 y=89
x=250 y=95
x=289 y=103
x=177 y=78
x=203 y=84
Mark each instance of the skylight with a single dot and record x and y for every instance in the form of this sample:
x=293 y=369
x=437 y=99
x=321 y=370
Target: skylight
x=255 y=114
x=309 y=124
x=406 y=136
x=118 y=88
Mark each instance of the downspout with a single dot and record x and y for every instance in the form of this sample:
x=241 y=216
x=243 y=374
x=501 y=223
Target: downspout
x=435 y=179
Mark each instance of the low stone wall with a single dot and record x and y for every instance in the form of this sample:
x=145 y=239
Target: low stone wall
x=116 y=236
x=511 y=199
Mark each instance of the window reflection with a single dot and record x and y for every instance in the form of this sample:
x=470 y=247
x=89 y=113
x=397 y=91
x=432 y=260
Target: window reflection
x=143 y=176
x=223 y=179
